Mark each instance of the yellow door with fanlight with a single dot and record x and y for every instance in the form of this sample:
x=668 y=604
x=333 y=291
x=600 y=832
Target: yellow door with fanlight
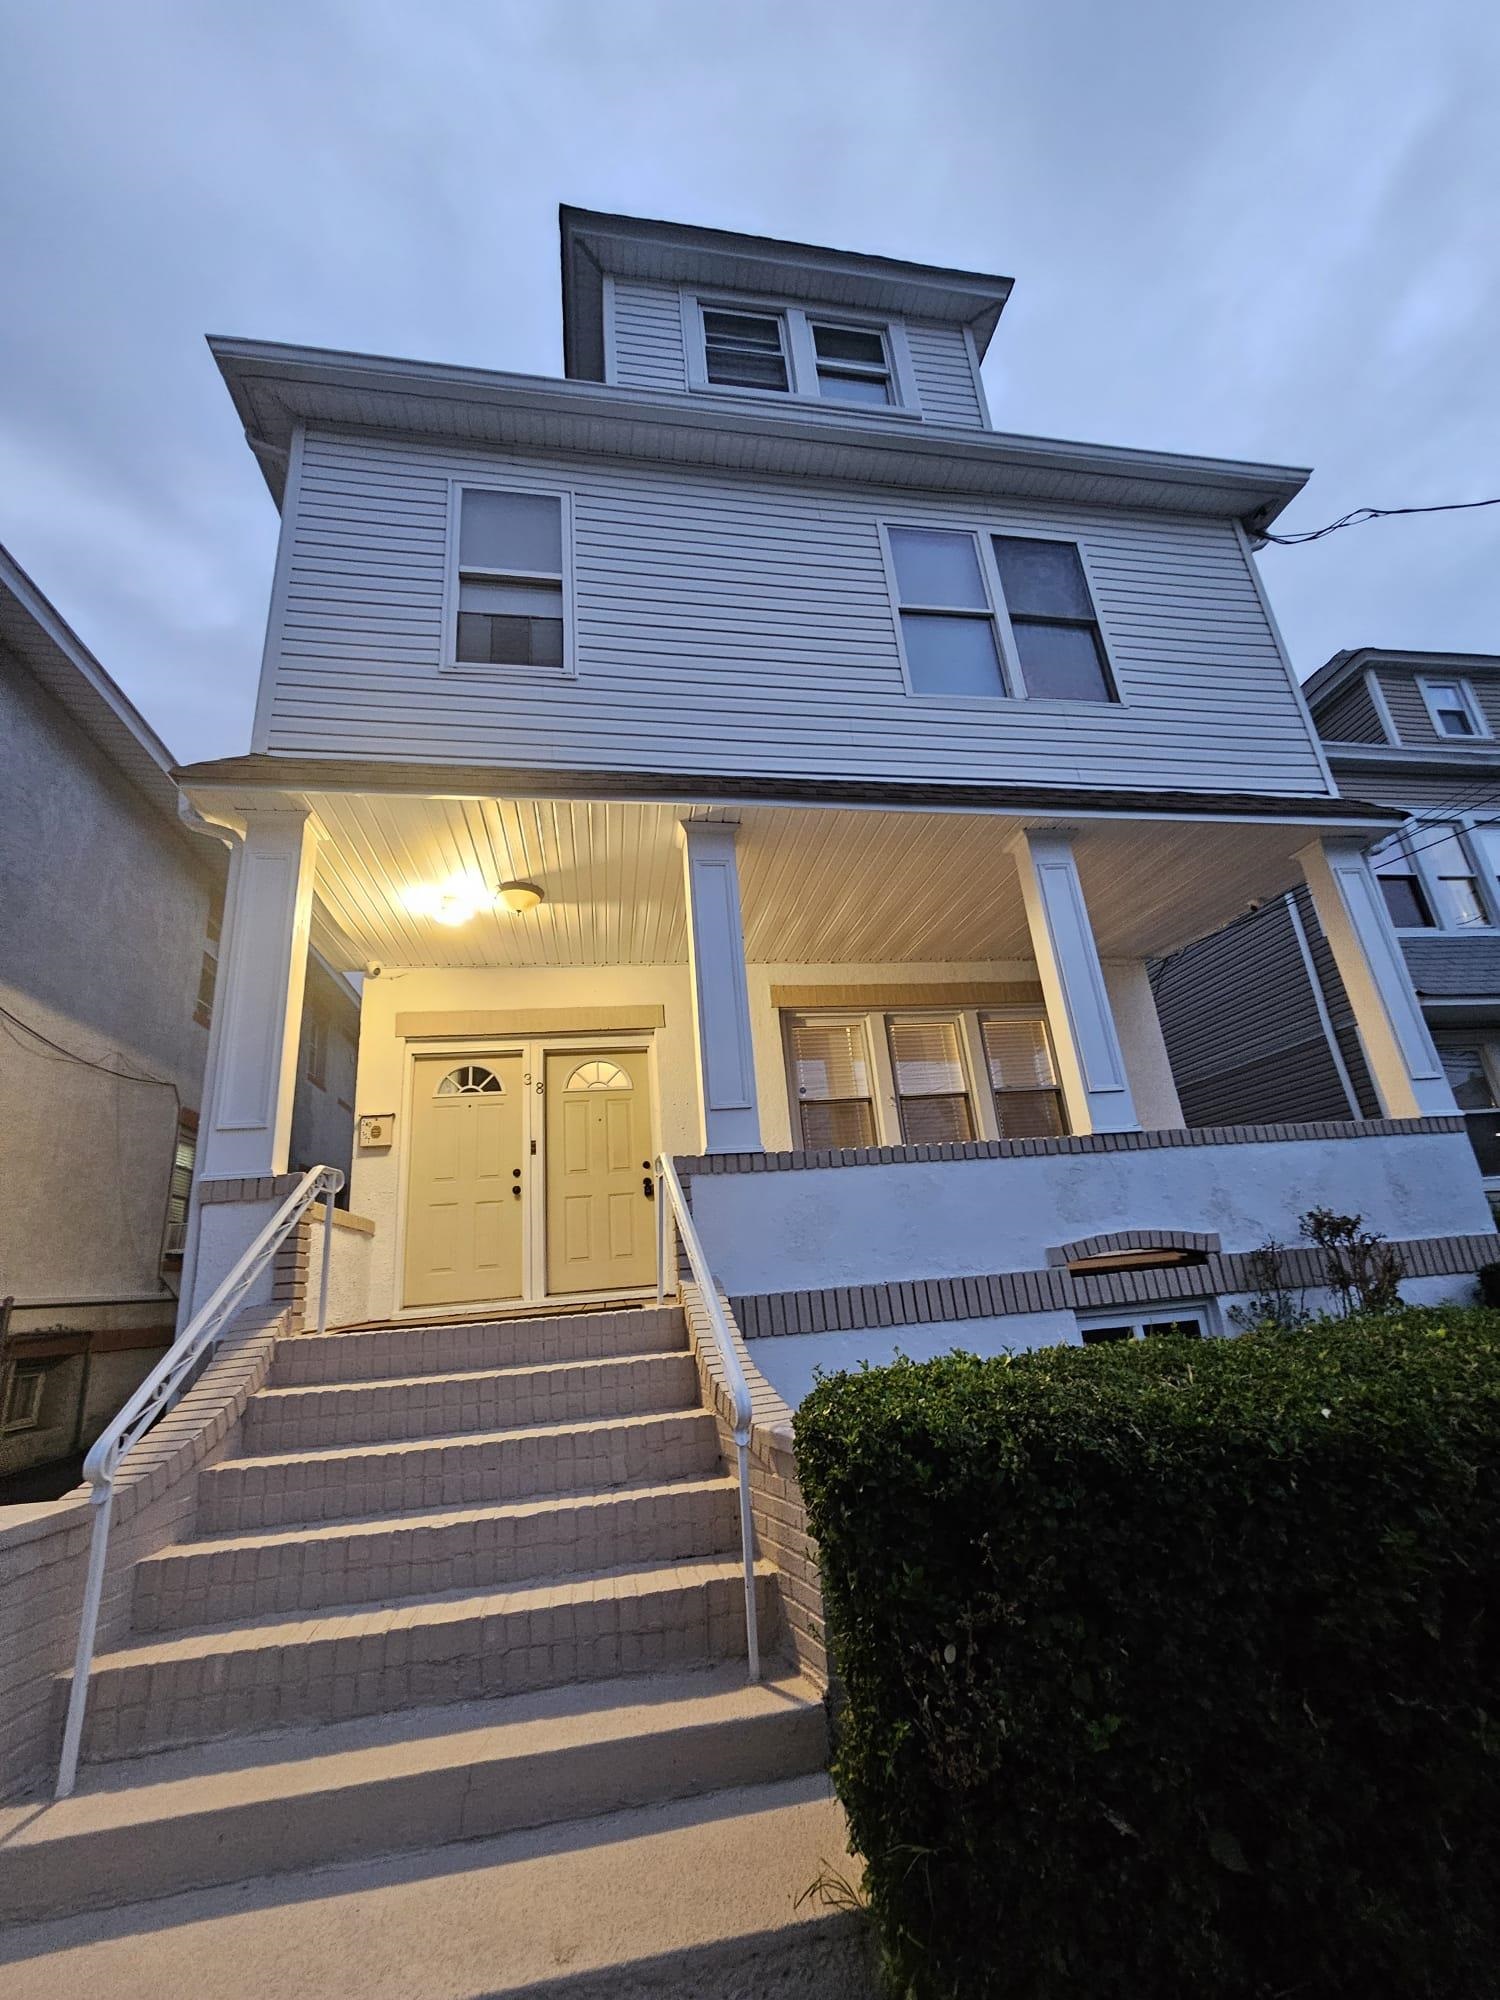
x=466 y=1196
x=600 y=1212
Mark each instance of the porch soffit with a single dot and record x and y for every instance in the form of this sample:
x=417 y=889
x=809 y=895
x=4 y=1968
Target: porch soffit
x=818 y=887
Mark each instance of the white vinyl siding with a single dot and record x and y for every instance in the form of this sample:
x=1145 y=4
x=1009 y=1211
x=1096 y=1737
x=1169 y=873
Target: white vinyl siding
x=729 y=623
x=944 y=372
x=648 y=350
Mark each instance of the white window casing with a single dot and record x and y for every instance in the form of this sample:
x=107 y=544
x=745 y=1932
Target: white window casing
x=806 y=345
x=1453 y=709
x=513 y=567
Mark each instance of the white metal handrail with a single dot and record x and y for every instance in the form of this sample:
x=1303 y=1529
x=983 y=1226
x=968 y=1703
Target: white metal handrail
x=153 y=1398
x=669 y=1195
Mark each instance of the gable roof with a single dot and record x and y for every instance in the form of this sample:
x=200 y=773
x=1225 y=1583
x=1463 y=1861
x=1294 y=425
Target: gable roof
x=35 y=632
x=595 y=244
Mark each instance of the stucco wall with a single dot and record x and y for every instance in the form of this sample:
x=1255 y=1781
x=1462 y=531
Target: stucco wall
x=803 y=1230
x=103 y=907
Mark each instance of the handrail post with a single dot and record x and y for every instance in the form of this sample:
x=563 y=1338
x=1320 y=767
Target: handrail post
x=327 y=1259
x=88 y=1624
x=747 y=1552
x=661 y=1240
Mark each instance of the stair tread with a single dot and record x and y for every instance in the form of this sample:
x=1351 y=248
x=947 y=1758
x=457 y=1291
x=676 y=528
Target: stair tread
x=364 y=1384
x=286 y=1534
x=375 y=1447
x=295 y=1628
x=296 y=1762
x=708 y=1889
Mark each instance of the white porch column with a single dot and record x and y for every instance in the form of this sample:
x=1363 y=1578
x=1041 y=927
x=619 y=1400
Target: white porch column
x=721 y=996
x=257 y=1014
x=1403 y=1063
x=1089 y=1059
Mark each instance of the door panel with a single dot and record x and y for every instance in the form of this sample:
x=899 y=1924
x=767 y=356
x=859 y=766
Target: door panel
x=601 y=1233
x=464 y=1203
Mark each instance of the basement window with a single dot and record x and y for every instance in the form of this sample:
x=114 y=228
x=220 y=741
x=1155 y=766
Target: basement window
x=1104 y=1329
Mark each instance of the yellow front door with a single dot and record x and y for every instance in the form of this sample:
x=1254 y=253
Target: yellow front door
x=600 y=1217
x=464 y=1208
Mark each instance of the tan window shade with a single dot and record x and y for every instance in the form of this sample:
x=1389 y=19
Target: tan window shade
x=931 y=1090
x=831 y=1079
x=1023 y=1076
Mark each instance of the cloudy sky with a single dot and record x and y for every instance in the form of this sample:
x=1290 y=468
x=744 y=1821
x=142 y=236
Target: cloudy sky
x=1267 y=231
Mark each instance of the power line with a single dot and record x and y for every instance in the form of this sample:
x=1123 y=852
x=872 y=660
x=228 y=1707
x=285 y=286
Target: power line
x=1359 y=515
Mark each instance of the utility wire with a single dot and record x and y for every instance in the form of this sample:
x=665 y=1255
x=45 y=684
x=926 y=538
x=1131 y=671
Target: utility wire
x=1359 y=515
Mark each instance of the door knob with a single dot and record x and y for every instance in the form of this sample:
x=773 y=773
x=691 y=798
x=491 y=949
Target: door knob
x=648 y=1187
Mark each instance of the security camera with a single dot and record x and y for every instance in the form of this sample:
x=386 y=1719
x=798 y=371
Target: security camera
x=373 y=968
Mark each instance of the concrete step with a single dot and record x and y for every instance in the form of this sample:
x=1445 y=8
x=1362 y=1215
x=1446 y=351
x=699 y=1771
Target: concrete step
x=281 y=1672
x=350 y=1482
x=423 y=1406
x=217 y=1579
x=266 y=1805
x=682 y=1901
x=385 y=1352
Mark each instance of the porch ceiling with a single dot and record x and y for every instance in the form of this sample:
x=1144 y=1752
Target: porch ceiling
x=819 y=886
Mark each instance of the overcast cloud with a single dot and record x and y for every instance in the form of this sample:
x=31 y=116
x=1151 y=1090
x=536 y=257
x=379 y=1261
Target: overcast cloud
x=1269 y=232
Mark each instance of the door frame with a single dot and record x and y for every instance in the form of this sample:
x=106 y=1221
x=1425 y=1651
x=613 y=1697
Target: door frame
x=533 y=1051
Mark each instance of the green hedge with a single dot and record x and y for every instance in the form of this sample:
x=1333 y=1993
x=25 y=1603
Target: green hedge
x=1171 y=1669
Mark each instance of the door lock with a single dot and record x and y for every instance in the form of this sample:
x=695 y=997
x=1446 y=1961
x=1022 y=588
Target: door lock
x=648 y=1187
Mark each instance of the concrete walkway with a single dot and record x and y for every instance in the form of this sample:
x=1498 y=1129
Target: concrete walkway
x=694 y=1899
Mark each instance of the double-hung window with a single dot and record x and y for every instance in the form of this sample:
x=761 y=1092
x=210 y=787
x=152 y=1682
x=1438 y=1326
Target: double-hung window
x=789 y=350
x=932 y=1091
x=853 y=363
x=1454 y=709
x=511 y=585
x=1401 y=885
x=947 y=620
x=180 y=1186
x=745 y=350
x=1440 y=875
x=833 y=1095
x=1053 y=621
x=1023 y=1075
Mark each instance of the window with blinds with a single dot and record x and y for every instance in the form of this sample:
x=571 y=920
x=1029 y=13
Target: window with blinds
x=932 y=1091
x=829 y=1065
x=1023 y=1076
x=180 y=1188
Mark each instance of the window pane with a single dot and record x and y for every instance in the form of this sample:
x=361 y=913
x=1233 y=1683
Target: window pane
x=1098 y=1336
x=1463 y=1065
x=850 y=343
x=1044 y=579
x=1062 y=662
x=1030 y=1114
x=509 y=642
x=825 y=1126
x=753 y=330
x=829 y=1059
x=853 y=388
x=1405 y=902
x=936 y=567
x=522 y=600
x=925 y=1058
x=514 y=531
x=1185 y=1329
x=746 y=371
x=1458 y=901
x=1019 y=1052
x=936 y=1121
x=951 y=655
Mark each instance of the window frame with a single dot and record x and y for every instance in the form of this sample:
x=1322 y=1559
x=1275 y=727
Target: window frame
x=990 y=580
x=877 y=1062
x=1480 y=731
x=983 y=532
x=543 y=489
x=983 y=1014
x=797 y=322
x=1417 y=841
x=939 y=1015
x=184 y=1140
x=1142 y=1313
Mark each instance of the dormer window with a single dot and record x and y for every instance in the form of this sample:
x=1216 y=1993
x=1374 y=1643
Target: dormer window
x=761 y=346
x=745 y=350
x=1454 y=710
x=853 y=363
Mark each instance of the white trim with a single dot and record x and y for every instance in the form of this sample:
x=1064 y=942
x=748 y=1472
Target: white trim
x=799 y=352
x=607 y=308
x=1258 y=584
x=1382 y=708
x=1077 y=542
x=1319 y=1000
x=976 y=367
x=1468 y=701
x=990 y=614
x=542 y=489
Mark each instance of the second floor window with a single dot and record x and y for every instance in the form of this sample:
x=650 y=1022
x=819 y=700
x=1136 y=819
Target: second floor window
x=947 y=620
x=511 y=609
x=1441 y=875
x=1053 y=620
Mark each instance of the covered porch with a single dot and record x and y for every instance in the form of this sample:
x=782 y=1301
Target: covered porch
x=726 y=976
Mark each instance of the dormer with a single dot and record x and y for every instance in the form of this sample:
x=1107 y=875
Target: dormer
x=1430 y=703
x=755 y=324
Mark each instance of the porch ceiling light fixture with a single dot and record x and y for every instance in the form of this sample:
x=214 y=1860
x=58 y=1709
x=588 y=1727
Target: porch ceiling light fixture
x=519 y=897
x=452 y=902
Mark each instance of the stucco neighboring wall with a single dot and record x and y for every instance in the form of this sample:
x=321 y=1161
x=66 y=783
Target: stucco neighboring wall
x=103 y=908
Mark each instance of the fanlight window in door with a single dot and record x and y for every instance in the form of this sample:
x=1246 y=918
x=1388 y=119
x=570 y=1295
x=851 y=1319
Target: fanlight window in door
x=470 y=1080
x=599 y=1076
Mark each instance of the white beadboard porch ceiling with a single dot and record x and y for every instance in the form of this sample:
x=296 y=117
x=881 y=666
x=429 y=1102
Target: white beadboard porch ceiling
x=819 y=886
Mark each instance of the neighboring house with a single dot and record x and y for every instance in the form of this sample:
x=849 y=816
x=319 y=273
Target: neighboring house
x=1257 y=1019
x=110 y=927
x=108 y=932
x=740 y=748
